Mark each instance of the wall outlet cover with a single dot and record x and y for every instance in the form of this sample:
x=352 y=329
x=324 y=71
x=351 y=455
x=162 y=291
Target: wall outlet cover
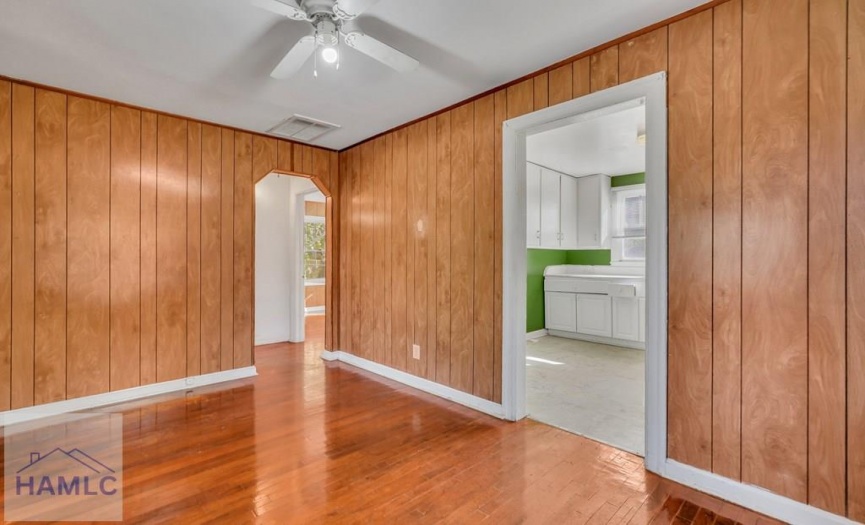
x=415 y=351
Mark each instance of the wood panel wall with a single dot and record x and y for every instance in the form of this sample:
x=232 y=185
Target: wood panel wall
x=766 y=238
x=126 y=243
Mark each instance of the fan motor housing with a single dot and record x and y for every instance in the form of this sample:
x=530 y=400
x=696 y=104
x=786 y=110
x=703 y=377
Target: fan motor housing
x=326 y=32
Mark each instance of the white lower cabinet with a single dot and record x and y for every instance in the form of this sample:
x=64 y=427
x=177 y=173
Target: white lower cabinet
x=560 y=311
x=626 y=318
x=593 y=315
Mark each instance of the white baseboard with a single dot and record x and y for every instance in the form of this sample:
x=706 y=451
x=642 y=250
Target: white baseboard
x=751 y=496
x=537 y=333
x=21 y=415
x=624 y=343
x=425 y=385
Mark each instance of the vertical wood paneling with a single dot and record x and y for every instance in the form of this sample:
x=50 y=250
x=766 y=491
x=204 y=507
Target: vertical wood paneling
x=484 y=250
x=5 y=243
x=582 y=75
x=855 y=256
x=689 y=401
x=520 y=99
x=378 y=190
x=125 y=262
x=398 y=285
x=561 y=84
x=50 y=248
x=430 y=232
x=171 y=238
x=417 y=276
x=354 y=184
x=643 y=55
x=410 y=246
x=443 y=248
x=727 y=241
x=23 y=244
x=297 y=158
x=193 y=250
x=388 y=254
x=284 y=161
x=88 y=254
x=462 y=244
x=827 y=145
x=211 y=227
x=367 y=247
x=227 y=252
x=501 y=112
x=774 y=242
x=541 y=91
x=605 y=68
x=148 y=247
x=344 y=256
x=243 y=246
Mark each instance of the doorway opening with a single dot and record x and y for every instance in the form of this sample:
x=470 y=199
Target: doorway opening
x=290 y=260
x=584 y=270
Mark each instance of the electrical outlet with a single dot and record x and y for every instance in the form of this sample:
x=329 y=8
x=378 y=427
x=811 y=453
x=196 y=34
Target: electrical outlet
x=415 y=351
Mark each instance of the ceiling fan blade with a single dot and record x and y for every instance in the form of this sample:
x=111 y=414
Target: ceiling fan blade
x=286 y=8
x=380 y=51
x=295 y=59
x=349 y=9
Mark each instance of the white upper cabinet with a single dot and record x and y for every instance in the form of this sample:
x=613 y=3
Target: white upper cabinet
x=593 y=212
x=550 y=208
x=566 y=212
x=533 y=205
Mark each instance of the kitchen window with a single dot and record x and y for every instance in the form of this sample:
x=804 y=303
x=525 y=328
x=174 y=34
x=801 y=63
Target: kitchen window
x=313 y=249
x=629 y=224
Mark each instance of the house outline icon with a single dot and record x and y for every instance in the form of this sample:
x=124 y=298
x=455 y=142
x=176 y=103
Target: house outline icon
x=76 y=454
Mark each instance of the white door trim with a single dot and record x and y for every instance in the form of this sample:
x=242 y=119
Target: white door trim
x=651 y=91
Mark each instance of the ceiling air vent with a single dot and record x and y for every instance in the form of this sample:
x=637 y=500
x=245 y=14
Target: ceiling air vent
x=304 y=129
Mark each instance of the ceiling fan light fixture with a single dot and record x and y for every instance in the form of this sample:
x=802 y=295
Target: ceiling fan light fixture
x=330 y=54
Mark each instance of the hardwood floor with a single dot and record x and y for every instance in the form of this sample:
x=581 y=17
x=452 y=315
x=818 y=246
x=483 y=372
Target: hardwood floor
x=311 y=442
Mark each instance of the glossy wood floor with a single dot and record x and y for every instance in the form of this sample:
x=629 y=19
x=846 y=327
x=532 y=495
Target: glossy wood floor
x=314 y=442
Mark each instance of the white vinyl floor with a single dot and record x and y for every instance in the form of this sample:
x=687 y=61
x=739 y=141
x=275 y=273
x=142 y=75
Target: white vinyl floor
x=590 y=389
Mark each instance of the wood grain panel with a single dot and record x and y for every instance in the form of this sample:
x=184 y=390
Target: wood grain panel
x=354 y=184
x=125 y=264
x=727 y=241
x=265 y=157
x=774 y=239
x=307 y=167
x=367 y=247
x=541 y=91
x=193 y=250
x=855 y=255
x=88 y=253
x=501 y=112
x=520 y=99
x=50 y=248
x=443 y=248
x=345 y=254
x=171 y=239
x=484 y=249
x=284 y=161
x=211 y=227
x=689 y=401
x=462 y=242
x=388 y=254
x=399 y=338
x=582 y=74
x=827 y=440
x=5 y=243
x=23 y=244
x=297 y=158
x=148 y=247
x=411 y=244
x=417 y=227
x=378 y=189
x=227 y=252
x=430 y=234
x=561 y=84
x=643 y=55
x=243 y=246
x=605 y=68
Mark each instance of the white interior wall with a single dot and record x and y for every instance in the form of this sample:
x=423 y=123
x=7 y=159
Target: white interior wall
x=278 y=234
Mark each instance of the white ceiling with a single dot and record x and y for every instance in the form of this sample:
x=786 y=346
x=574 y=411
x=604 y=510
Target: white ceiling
x=606 y=144
x=211 y=59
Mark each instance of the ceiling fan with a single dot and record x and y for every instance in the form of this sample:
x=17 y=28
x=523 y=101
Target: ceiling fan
x=327 y=18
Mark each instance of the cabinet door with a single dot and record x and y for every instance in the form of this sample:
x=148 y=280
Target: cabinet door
x=569 y=205
x=641 y=305
x=560 y=311
x=550 y=191
x=593 y=315
x=626 y=318
x=589 y=206
x=533 y=205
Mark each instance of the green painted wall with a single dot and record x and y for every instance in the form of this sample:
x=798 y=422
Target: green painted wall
x=538 y=260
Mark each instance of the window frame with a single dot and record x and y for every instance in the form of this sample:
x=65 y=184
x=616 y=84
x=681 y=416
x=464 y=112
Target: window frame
x=617 y=236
